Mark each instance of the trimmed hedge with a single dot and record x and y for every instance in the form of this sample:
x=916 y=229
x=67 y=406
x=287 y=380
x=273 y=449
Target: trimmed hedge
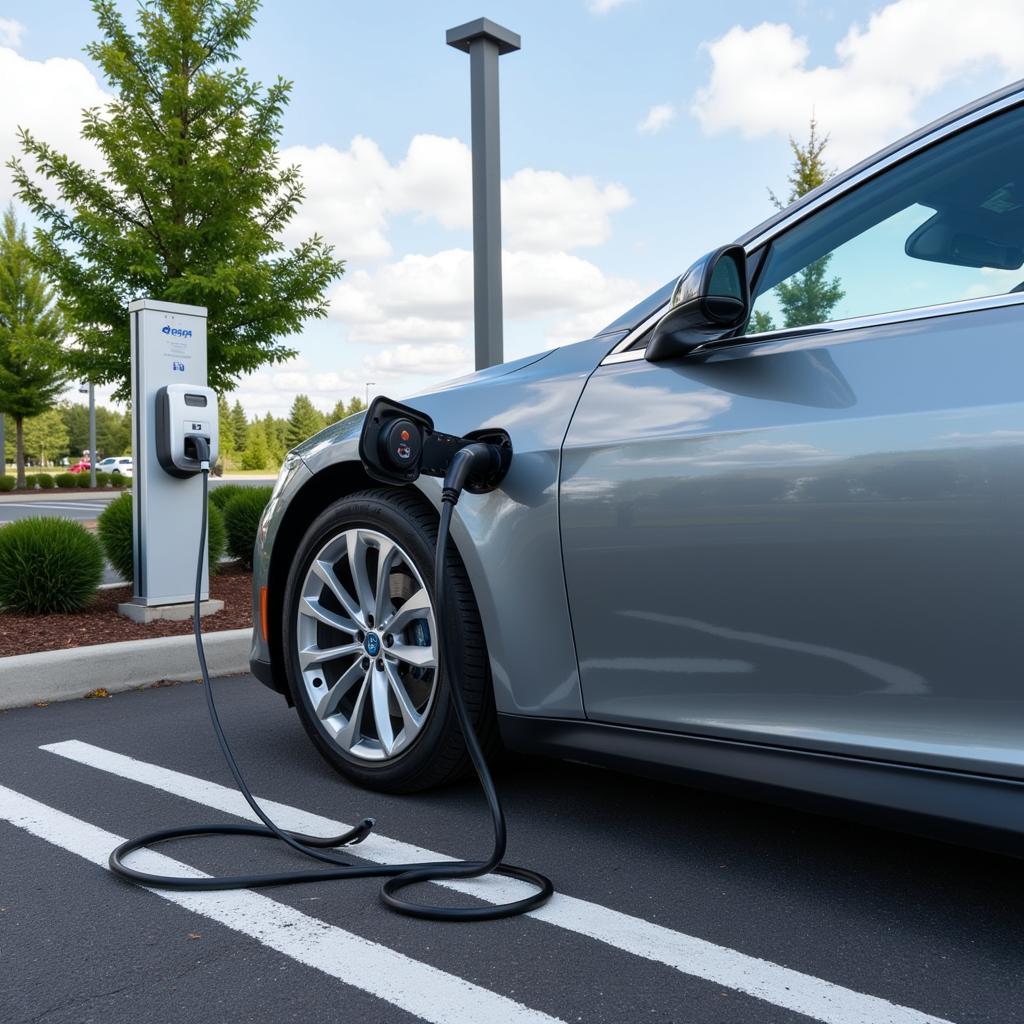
x=102 y=479
x=222 y=494
x=66 y=480
x=50 y=565
x=7 y=483
x=115 y=529
x=82 y=479
x=118 y=480
x=242 y=519
x=44 y=481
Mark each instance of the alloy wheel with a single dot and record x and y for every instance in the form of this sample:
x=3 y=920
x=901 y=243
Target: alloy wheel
x=365 y=635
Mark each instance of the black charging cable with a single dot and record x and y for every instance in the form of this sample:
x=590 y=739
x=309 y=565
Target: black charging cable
x=471 y=459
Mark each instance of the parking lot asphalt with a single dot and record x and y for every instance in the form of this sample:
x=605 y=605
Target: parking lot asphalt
x=673 y=905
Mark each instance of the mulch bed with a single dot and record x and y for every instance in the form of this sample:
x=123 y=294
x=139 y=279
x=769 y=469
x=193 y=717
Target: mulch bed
x=100 y=623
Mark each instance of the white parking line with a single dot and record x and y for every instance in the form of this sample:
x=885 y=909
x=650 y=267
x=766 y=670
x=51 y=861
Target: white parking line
x=782 y=986
x=425 y=991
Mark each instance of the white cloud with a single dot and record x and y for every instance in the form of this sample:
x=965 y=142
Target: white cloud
x=274 y=389
x=352 y=194
x=11 y=32
x=447 y=360
x=660 y=115
x=604 y=6
x=47 y=98
x=761 y=83
x=429 y=298
x=545 y=211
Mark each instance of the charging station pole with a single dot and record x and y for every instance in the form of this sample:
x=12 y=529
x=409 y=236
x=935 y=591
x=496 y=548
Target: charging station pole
x=485 y=41
x=168 y=346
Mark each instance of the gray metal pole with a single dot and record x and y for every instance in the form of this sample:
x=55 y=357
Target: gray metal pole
x=92 y=435
x=485 y=41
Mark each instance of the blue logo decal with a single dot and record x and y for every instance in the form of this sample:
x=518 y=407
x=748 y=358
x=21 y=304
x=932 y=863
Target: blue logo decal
x=177 y=366
x=177 y=332
x=372 y=644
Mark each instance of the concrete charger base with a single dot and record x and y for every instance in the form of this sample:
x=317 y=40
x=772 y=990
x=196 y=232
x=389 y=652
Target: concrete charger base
x=174 y=612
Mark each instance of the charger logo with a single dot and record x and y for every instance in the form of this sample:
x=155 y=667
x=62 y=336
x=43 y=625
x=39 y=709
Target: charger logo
x=177 y=332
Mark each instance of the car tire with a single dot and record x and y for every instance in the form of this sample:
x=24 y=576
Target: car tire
x=437 y=753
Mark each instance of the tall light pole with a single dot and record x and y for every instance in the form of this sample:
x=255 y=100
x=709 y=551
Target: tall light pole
x=369 y=384
x=82 y=389
x=485 y=41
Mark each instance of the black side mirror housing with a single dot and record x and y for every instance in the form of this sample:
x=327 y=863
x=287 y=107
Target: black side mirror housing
x=709 y=302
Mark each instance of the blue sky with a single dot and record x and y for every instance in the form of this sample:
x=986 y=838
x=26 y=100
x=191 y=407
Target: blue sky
x=605 y=197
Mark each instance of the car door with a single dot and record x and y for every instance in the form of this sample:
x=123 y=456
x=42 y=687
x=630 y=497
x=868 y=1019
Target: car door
x=814 y=536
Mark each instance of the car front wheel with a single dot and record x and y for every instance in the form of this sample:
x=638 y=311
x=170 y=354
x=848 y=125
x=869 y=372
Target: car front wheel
x=360 y=637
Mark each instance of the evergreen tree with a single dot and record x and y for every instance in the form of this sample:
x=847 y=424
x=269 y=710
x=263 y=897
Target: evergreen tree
x=191 y=202
x=276 y=431
x=239 y=426
x=809 y=296
x=46 y=437
x=76 y=421
x=257 y=453
x=343 y=409
x=225 y=429
x=304 y=421
x=113 y=431
x=32 y=358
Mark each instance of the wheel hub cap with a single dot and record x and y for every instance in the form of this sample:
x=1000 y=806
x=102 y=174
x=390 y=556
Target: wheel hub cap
x=372 y=644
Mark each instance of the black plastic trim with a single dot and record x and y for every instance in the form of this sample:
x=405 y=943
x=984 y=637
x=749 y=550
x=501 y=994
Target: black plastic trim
x=954 y=806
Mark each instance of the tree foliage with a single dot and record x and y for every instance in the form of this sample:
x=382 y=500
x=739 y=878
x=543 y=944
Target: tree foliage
x=32 y=358
x=191 y=202
x=809 y=296
x=343 y=409
x=304 y=420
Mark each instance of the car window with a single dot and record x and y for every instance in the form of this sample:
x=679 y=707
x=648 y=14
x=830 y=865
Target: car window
x=943 y=226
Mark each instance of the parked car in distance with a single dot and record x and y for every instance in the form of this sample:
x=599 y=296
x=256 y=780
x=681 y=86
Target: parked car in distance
x=115 y=464
x=765 y=531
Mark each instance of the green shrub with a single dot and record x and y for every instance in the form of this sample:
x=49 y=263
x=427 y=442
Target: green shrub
x=44 y=480
x=242 y=519
x=82 y=479
x=66 y=480
x=7 y=483
x=102 y=479
x=49 y=565
x=115 y=530
x=118 y=480
x=221 y=495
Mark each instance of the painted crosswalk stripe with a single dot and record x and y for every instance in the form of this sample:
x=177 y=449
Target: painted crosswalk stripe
x=58 y=506
x=803 y=993
x=429 y=993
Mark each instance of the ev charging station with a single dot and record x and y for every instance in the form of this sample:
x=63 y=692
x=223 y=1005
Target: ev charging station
x=171 y=408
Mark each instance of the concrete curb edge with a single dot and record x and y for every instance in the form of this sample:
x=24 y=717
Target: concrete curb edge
x=27 y=679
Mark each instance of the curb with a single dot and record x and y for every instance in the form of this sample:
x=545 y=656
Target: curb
x=76 y=671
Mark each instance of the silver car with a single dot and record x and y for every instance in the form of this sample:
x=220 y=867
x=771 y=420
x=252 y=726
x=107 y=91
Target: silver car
x=785 y=555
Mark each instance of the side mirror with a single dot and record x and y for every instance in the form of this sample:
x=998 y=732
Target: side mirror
x=709 y=302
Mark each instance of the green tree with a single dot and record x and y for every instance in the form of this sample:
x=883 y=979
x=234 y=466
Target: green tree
x=32 y=357
x=257 y=451
x=191 y=202
x=113 y=431
x=276 y=430
x=343 y=409
x=76 y=421
x=304 y=420
x=239 y=425
x=809 y=296
x=46 y=437
x=225 y=429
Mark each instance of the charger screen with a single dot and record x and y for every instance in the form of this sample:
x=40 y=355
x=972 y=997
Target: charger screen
x=199 y=400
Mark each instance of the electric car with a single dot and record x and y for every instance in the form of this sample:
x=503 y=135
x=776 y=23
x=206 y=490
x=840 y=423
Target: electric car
x=765 y=531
